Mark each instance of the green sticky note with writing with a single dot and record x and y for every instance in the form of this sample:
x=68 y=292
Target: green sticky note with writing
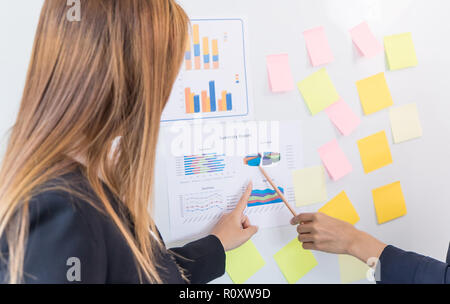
x=294 y=261
x=243 y=262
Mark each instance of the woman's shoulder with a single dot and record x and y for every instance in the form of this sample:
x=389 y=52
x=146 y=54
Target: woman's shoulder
x=66 y=197
x=65 y=224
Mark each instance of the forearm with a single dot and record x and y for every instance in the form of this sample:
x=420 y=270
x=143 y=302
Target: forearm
x=364 y=246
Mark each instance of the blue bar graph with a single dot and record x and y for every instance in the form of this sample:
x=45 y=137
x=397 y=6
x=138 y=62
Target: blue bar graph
x=197 y=104
x=212 y=95
x=229 y=102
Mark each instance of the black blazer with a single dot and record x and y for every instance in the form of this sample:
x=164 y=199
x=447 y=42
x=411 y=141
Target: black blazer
x=63 y=226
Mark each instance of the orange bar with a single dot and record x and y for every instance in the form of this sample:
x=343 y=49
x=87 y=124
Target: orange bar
x=206 y=106
x=219 y=102
x=187 y=94
x=188 y=64
x=223 y=103
x=197 y=63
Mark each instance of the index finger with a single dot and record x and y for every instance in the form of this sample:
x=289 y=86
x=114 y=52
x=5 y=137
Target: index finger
x=242 y=204
x=302 y=217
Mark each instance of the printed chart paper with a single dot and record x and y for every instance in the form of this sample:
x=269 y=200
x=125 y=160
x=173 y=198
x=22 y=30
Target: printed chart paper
x=213 y=81
x=202 y=186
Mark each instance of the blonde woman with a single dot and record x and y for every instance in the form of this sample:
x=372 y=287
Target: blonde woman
x=65 y=198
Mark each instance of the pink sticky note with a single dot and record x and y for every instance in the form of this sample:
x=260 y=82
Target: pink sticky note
x=318 y=47
x=365 y=40
x=343 y=117
x=279 y=72
x=334 y=160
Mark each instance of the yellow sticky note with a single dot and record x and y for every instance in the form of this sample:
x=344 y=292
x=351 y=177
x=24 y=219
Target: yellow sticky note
x=352 y=269
x=318 y=91
x=374 y=93
x=294 y=261
x=389 y=202
x=375 y=152
x=309 y=186
x=243 y=262
x=341 y=208
x=400 y=51
x=405 y=123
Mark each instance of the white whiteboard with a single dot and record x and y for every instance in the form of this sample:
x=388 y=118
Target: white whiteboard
x=421 y=165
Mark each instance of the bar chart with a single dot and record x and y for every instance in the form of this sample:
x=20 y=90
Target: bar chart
x=208 y=101
x=206 y=163
x=213 y=81
x=202 y=48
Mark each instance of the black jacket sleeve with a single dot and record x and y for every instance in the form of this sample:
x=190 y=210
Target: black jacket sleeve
x=401 y=267
x=203 y=260
x=59 y=231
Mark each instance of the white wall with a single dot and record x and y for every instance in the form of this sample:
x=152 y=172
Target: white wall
x=422 y=165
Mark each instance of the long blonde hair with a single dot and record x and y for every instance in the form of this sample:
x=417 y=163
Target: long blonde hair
x=89 y=82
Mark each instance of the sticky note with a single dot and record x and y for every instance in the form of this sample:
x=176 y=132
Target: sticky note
x=294 y=261
x=375 y=152
x=365 y=41
x=351 y=269
x=318 y=91
x=389 y=202
x=279 y=73
x=342 y=116
x=334 y=160
x=374 y=94
x=341 y=208
x=318 y=47
x=400 y=51
x=405 y=123
x=243 y=262
x=309 y=186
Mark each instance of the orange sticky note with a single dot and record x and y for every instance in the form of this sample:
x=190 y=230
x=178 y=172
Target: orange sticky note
x=375 y=152
x=341 y=208
x=389 y=202
x=374 y=94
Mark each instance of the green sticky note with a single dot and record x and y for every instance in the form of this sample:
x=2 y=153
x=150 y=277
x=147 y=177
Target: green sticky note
x=294 y=261
x=243 y=262
x=351 y=269
x=318 y=91
x=400 y=51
